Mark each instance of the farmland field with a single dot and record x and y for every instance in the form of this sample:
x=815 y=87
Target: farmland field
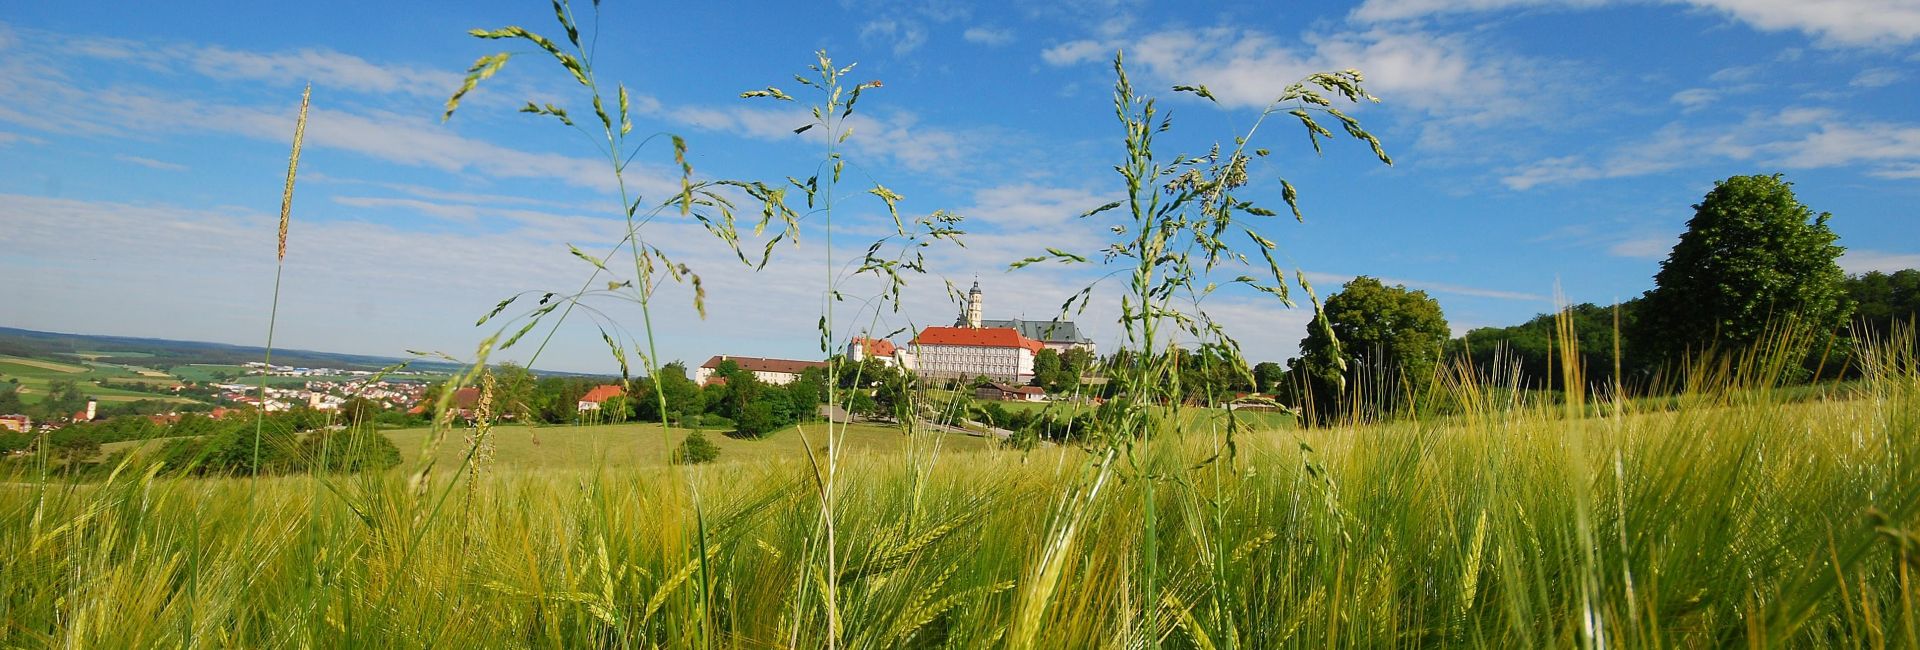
x=1732 y=519
x=35 y=375
x=639 y=445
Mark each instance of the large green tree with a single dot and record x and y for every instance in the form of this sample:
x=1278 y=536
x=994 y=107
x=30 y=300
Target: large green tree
x=1753 y=262
x=1389 y=338
x=1267 y=376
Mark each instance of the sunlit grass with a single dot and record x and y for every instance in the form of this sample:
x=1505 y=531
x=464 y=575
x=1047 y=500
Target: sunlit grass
x=1731 y=520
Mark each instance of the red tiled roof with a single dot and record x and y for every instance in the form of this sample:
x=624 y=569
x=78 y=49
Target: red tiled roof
x=876 y=347
x=756 y=364
x=603 y=392
x=466 y=398
x=985 y=337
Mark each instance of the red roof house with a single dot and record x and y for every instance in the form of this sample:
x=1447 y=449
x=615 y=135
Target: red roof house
x=591 y=401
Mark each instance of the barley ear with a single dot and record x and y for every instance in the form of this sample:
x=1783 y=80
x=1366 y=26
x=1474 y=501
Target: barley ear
x=293 y=167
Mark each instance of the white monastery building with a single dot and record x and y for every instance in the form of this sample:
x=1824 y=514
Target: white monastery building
x=999 y=350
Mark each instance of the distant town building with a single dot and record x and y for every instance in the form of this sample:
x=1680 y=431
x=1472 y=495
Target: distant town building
x=772 y=371
x=592 y=400
x=1000 y=391
x=861 y=348
x=16 y=423
x=93 y=410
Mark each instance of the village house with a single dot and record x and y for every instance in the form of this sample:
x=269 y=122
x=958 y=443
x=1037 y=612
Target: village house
x=592 y=400
x=16 y=423
x=778 y=372
x=1007 y=392
x=862 y=348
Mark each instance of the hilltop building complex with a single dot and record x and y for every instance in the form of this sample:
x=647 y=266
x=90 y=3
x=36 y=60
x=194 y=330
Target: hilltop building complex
x=1001 y=350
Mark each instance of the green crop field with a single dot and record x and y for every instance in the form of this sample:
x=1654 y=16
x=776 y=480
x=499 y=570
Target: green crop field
x=630 y=445
x=207 y=372
x=35 y=375
x=92 y=355
x=1505 y=528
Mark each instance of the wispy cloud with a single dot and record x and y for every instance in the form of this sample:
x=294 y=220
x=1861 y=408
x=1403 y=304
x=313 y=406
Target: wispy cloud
x=902 y=35
x=1797 y=138
x=1337 y=279
x=329 y=69
x=985 y=35
x=150 y=163
x=1831 y=22
x=1648 y=248
x=66 y=106
x=1862 y=261
x=1876 y=78
x=10 y=138
x=891 y=134
x=1453 y=82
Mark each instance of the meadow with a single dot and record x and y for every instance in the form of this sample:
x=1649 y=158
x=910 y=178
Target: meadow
x=35 y=375
x=625 y=446
x=1740 y=518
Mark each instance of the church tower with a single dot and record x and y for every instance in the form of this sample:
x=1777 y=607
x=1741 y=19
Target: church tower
x=974 y=299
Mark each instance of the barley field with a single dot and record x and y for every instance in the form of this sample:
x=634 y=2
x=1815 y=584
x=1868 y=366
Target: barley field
x=1735 y=518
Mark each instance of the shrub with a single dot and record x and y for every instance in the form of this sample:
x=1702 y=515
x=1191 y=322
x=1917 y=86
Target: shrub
x=696 y=449
x=347 y=451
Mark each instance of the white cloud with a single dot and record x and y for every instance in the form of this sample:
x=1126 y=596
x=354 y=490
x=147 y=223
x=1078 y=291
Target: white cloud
x=64 y=106
x=1796 y=138
x=1831 y=22
x=985 y=35
x=1451 y=79
x=1651 y=248
x=904 y=36
x=1876 y=78
x=327 y=69
x=1693 y=99
x=1073 y=52
x=893 y=134
x=1327 y=283
x=150 y=163
x=1898 y=171
x=1863 y=261
x=1386 y=10
x=10 y=138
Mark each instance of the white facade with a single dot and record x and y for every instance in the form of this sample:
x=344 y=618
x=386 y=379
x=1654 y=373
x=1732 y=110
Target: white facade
x=1008 y=364
x=701 y=375
x=778 y=372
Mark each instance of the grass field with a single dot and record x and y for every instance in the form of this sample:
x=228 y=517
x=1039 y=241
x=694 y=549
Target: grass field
x=21 y=365
x=199 y=372
x=1194 y=418
x=640 y=445
x=92 y=355
x=35 y=375
x=1737 y=519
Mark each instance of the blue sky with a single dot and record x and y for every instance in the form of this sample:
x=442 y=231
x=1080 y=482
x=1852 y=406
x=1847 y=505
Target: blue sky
x=1540 y=146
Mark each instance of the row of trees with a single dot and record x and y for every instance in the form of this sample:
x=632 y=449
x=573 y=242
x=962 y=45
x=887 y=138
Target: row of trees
x=1754 y=268
x=738 y=400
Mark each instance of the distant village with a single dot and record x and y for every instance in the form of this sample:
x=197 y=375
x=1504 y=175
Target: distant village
x=1001 y=351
